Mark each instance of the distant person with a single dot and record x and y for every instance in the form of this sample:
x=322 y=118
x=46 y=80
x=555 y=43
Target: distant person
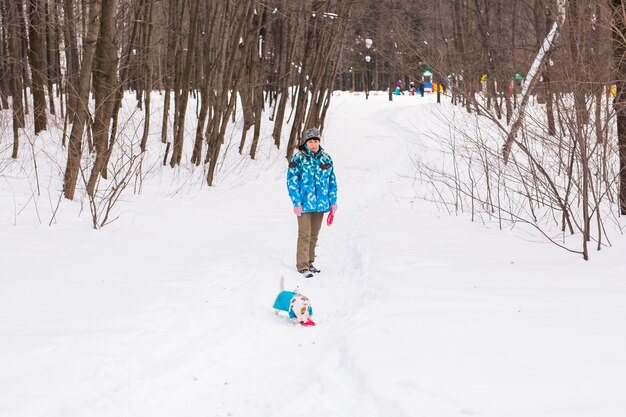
x=398 y=88
x=312 y=188
x=412 y=88
x=439 y=89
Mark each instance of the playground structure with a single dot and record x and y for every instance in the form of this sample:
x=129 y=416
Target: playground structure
x=427 y=80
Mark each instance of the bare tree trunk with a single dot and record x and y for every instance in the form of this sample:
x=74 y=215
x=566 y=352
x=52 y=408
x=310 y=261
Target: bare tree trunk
x=531 y=80
x=23 y=46
x=184 y=95
x=483 y=17
x=619 y=103
x=15 y=74
x=52 y=53
x=225 y=106
x=123 y=78
x=105 y=87
x=257 y=61
x=459 y=45
x=5 y=91
x=71 y=58
x=599 y=84
x=287 y=45
x=206 y=93
x=78 y=128
x=578 y=81
x=147 y=64
x=169 y=65
x=547 y=76
x=247 y=101
x=37 y=62
x=248 y=95
x=303 y=86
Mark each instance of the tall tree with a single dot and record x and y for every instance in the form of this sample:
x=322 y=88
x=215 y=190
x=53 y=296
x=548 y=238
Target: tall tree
x=181 y=104
x=80 y=118
x=15 y=72
x=619 y=103
x=37 y=58
x=71 y=59
x=105 y=84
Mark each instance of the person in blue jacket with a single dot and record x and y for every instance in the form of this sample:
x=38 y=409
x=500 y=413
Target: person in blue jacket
x=312 y=188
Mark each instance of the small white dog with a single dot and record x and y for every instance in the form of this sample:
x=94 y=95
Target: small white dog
x=297 y=305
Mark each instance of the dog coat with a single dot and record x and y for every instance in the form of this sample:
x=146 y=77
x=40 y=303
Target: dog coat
x=283 y=302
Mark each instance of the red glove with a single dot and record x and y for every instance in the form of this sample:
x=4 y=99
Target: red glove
x=329 y=218
x=297 y=210
x=308 y=323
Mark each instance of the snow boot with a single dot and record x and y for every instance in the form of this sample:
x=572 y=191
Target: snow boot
x=306 y=273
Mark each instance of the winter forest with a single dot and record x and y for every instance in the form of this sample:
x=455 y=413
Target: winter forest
x=69 y=64
x=480 y=151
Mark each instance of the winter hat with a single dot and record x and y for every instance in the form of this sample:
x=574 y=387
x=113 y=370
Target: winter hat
x=311 y=133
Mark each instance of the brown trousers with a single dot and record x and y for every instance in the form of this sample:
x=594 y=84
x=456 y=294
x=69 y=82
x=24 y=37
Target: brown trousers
x=309 y=225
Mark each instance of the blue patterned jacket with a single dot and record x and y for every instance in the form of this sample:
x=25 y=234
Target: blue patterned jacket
x=311 y=181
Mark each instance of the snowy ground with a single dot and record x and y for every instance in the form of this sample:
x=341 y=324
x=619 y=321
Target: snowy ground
x=167 y=311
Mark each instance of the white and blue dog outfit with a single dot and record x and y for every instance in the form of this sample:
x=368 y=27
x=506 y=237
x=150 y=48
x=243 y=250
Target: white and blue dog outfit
x=286 y=300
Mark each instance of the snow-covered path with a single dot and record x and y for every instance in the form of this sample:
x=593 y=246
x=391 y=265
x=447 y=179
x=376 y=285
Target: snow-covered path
x=168 y=311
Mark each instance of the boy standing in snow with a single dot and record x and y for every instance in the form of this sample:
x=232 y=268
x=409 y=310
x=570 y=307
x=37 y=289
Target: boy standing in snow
x=312 y=188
